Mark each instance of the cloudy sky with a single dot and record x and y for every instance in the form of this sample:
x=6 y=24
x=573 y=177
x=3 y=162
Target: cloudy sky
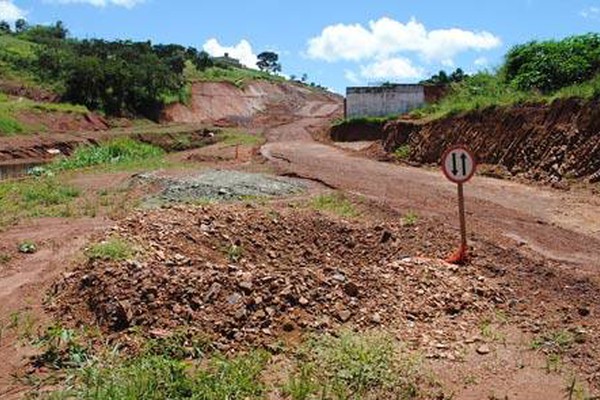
x=336 y=43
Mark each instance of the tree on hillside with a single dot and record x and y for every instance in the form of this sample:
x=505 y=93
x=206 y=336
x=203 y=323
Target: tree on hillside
x=442 y=78
x=269 y=61
x=21 y=25
x=4 y=27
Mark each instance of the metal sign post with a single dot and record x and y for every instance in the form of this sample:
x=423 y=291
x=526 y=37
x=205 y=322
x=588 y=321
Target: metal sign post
x=458 y=165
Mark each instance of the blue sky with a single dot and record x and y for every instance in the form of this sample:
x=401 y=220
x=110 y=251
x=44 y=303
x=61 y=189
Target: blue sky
x=336 y=43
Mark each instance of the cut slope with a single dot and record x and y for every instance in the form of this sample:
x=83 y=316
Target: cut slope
x=227 y=104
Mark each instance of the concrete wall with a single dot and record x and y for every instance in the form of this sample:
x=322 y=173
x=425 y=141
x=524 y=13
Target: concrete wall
x=383 y=100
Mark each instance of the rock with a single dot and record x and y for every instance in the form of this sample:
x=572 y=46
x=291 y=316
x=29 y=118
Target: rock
x=483 y=349
x=246 y=286
x=339 y=278
x=344 y=315
x=303 y=301
x=213 y=292
x=234 y=298
x=351 y=289
x=584 y=311
x=376 y=318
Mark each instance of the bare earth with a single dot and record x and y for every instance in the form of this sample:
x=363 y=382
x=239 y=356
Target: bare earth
x=562 y=228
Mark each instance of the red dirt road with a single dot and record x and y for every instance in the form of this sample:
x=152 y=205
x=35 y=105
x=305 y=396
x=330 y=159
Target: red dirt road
x=558 y=225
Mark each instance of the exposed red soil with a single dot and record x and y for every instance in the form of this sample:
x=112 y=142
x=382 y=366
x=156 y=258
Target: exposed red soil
x=540 y=142
x=25 y=279
x=226 y=104
x=33 y=93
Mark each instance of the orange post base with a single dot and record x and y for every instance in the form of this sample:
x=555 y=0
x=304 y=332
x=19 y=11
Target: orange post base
x=460 y=256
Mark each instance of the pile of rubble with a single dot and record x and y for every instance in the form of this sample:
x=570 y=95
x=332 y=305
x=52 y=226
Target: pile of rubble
x=247 y=275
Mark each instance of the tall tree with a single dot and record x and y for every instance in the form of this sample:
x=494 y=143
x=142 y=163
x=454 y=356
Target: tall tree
x=4 y=27
x=21 y=25
x=269 y=61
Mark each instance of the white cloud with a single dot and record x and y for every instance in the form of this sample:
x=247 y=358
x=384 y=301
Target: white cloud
x=100 y=3
x=590 y=12
x=241 y=51
x=393 y=68
x=386 y=37
x=9 y=12
x=481 y=62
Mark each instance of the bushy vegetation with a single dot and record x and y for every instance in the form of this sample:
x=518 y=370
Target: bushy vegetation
x=346 y=366
x=532 y=72
x=113 y=249
x=551 y=65
x=121 y=78
x=116 y=151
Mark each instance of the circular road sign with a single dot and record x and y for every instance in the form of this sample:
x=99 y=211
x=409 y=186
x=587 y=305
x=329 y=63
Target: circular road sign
x=458 y=164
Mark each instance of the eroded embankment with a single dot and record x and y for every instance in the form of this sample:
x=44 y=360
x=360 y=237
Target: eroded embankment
x=547 y=142
x=226 y=104
x=542 y=142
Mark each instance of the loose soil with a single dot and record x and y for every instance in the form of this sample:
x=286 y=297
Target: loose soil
x=251 y=274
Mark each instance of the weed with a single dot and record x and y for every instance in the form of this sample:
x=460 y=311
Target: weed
x=302 y=385
x=410 y=218
x=235 y=252
x=181 y=345
x=235 y=138
x=27 y=247
x=61 y=349
x=236 y=378
x=113 y=249
x=117 y=151
x=354 y=366
x=335 y=203
x=402 y=152
x=5 y=258
x=556 y=342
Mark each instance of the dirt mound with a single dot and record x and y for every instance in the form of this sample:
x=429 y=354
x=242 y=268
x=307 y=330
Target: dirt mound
x=225 y=104
x=541 y=142
x=245 y=275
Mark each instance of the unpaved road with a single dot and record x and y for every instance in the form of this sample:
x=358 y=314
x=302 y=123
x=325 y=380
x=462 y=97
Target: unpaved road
x=558 y=225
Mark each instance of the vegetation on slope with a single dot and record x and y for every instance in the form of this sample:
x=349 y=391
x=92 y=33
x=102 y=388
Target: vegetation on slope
x=120 y=78
x=532 y=72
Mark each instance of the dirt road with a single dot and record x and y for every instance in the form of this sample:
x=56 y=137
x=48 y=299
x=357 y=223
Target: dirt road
x=558 y=225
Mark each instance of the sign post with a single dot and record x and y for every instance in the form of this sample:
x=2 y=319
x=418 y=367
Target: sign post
x=458 y=165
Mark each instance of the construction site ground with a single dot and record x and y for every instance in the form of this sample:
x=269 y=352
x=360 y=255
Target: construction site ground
x=533 y=275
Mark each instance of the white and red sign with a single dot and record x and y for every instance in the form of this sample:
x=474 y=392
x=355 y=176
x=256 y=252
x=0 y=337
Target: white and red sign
x=458 y=164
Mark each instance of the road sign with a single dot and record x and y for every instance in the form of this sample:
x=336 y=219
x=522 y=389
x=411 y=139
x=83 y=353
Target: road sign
x=458 y=164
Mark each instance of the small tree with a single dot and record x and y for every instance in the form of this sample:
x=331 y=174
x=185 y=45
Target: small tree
x=4 y=27
x=21 y=25
x=269 y=61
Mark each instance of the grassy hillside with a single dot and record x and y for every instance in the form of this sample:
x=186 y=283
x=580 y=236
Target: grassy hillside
x=535 y=72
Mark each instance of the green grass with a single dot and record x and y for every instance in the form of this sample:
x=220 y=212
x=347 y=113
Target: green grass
x=236 y=76
x=365 y=120
x=235 y=138
x=346 y=366
x=355 y=366
x=478 y=92
x=335 y=203
x=485 y=90
x=11 y=108
x=113 y=249
x=39 y=197
x=410 y=218
x=402 y=152
x=115 y=152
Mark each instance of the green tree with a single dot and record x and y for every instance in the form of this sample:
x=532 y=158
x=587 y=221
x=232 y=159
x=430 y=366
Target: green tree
x=4 y=27
x=21 y=25
x=269 y=61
